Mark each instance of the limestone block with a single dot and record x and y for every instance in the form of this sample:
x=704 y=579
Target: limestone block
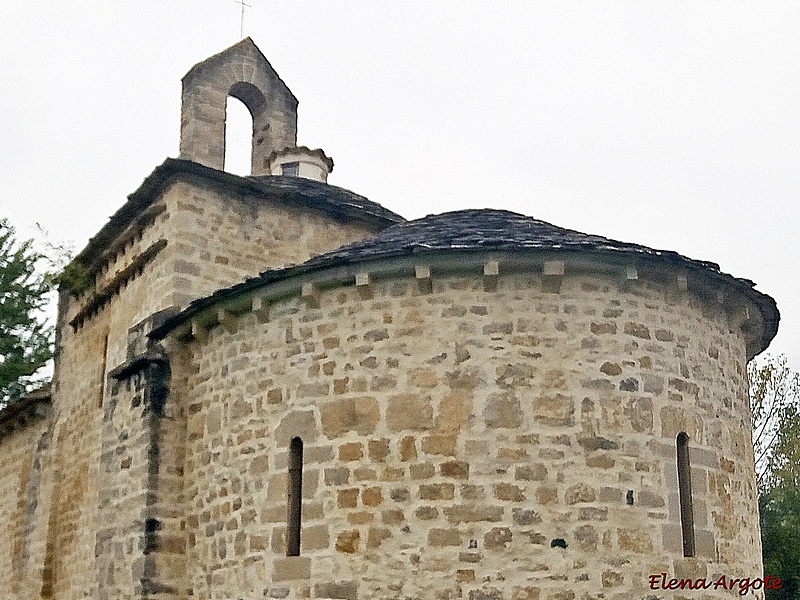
x=349 y=414
x=298 y=423
x=502 y=411
x=342 y=590
x=347 y=541
x=634 y=540
x=557 y=409
x=409 y=411
x=444 y=537
x=580 y=492
x=291 y=568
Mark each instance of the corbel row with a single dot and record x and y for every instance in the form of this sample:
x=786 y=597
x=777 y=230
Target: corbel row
x=25 y=413
x=740 y=315
x=101 y=298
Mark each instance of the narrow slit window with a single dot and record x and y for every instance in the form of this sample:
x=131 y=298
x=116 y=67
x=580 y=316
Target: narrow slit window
x=295 y=497
x=685 y=491
x=101 y=394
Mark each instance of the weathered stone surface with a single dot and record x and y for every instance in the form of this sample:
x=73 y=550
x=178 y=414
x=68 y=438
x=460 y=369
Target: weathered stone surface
x=422 y=471
x=377 y=535
x=291 y=568
x=408 y=448
x=591 y=443
x=426 y=513
x=423 y=378
x=444 y=445
x=347 y=541
x=502 y=411
x=611 y=579
x=534 y=472
x=349 y=414
x=298 y=423
x=506 y=491
x=371 y=496
x=472 y=514
x=444 y=537
x=651 y=499
x=337 y=476
x=409 y=411
x=486 y=594
x=378 y=450
x=347 y=498
x=652 y=384
x=454 y=412
x=586 y=538
x=637 y=330
x=351 y=451
x=640 y=413
x=634 y=540
x=525 y=593
x=343 y=590
x=546 y=494
x=675 y=420
x=608 y=327
x=580 y=492
x=437 y=491
x=457 y=469
x=524 y=516
x=497 y=537
x=611 y=369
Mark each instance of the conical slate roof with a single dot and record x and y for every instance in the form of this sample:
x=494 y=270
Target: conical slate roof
x=482 y=230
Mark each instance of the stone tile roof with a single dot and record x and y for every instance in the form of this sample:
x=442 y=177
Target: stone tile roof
x=336 y=202
x=481 y=230
x=27 y=408
x=484 y=229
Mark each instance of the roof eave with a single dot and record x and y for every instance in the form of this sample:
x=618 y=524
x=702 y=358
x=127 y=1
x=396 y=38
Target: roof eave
x=765 y=304
x=174 y=168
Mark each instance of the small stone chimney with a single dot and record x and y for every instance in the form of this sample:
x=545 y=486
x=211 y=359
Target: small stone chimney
x=300 y=161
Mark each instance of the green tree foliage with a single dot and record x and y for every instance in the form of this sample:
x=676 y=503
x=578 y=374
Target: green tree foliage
x=25 y=340
x=780 y=532
x=775 y=400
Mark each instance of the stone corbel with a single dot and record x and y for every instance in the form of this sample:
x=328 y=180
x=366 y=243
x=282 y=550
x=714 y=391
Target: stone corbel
x=363 y=286
x=629 y=275
x=228 y=320
x=491 y=271
x=199 y=331
x=552 y=275
x=310 y=294
x=260 y=307
x=424 y=281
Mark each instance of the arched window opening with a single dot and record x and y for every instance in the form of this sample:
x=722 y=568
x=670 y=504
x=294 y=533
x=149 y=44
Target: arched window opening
x=685 y=490
x=238 y=137
x=295 y=497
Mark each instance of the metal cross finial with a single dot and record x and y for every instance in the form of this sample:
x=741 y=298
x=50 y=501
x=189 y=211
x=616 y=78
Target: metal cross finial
x=241 y=24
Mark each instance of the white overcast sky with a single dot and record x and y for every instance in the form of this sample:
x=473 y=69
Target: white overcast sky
x=670 y=124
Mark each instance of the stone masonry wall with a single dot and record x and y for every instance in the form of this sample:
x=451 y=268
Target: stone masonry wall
x=218 y=240
x=21 y=456
x=516 y=444
x=204 y=241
